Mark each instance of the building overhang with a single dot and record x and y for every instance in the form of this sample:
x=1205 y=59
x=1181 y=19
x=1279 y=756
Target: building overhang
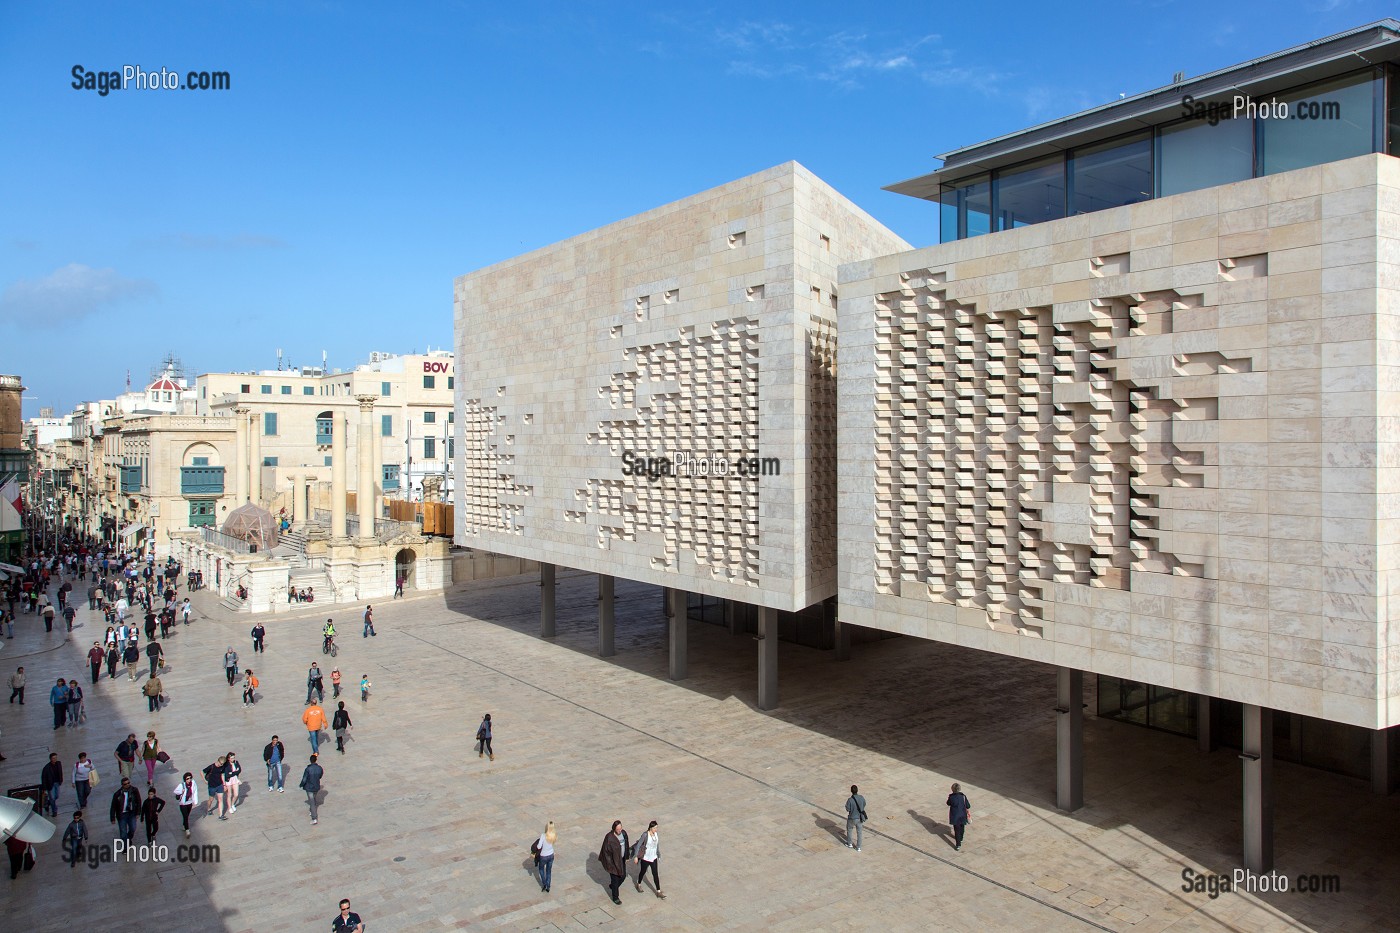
x=1344 y=52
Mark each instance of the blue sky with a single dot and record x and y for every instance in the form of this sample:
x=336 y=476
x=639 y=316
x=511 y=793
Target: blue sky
x=366 y=154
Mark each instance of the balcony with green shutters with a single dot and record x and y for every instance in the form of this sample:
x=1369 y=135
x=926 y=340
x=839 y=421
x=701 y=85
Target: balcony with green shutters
x=202 y=481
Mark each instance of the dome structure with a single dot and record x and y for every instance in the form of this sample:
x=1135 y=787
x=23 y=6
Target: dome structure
x=253 y=524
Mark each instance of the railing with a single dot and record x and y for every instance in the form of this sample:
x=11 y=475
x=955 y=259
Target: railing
x=227 y=542
x=384 y=528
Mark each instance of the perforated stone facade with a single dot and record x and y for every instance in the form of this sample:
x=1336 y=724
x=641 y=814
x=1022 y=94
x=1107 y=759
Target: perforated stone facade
x=701 y=331
x=1156 y=442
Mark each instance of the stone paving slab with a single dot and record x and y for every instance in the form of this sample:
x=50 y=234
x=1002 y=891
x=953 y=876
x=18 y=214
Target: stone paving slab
x=422 y=834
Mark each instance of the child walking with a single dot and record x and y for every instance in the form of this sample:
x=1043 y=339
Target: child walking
x=364 y=688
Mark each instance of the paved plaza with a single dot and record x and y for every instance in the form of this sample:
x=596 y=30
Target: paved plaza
x=421 y=834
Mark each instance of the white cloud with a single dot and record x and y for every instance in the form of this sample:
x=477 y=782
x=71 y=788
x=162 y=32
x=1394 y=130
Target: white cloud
x=70 y=294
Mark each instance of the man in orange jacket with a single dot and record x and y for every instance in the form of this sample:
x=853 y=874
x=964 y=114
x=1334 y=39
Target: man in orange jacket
x=314 y=718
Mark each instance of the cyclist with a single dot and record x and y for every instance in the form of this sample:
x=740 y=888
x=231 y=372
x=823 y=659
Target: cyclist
x=328 y=636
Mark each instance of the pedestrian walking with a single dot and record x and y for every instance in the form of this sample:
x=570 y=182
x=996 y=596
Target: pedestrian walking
x=364 y=688
x=648 y=853
x=613 y=857
x=311 y=783
x=74 y=837
x=250 y=687
x=335 y=683
x=152 y=689
x=214 y=784
x=233 y=770
x=95 y=657
x=76 y=713
x=369 y=622
x=126 y=806
x=185 y=610
x=483 y=738
x=398 y=586
x=17 y=686
x=58 y=699
x=315 y=719
x=126 y=755
x=150 y=813
x=131 y=656
x=150 y=756
x=340 y=722
x=274 y=753
x=51 y=780
x=92 y=596
x=543 y=850
x=69 y=614
x=314 y=683
x=855 y=817
x=259 y=633
x=347 y=921
x=186 y=795
x=231 y=665
x=82 y=779
x=959 y=815
x=156 y=655
x=113 y=656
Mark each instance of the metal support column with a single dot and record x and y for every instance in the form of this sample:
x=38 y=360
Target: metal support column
x=546 y=600
x=677 y=624
x=1205 y=737
x=767 y=658
x=1257 y=755
x=606 y=616
x=1380 y=761
x=1069 y=740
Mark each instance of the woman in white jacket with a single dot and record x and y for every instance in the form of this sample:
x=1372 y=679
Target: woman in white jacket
x=186 y=795
x=648 y=853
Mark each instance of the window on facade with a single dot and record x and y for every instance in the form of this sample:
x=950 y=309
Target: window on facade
x=286 y=390
x=266 y=390
x=269 y=461
x=270 y=423
x=429 y=382
x=328 y=459
x=390 y=479
x=1111 y=174
x=384 y=388
x=450 y=415
x=1030 y=194
x=308 y=390
x=245 y=388
x=199 y=461
x=1192 y=155
x=324 y=427
x=429 y=448
x=386 y=425
x=1327 y=121
x=450 y=382
x=429 y=417
x=965 y=209
x=451 y=448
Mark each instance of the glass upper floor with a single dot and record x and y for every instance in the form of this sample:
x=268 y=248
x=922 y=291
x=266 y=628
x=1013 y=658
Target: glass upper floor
x=1211 y=142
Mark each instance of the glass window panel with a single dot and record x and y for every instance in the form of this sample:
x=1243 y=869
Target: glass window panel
x=1112 y=174
x=429 y=448
x=965 y=209
x=308 y=390
x=1327 y=121
x=270 y=422
x=1193 y=154
x=386 y=425
x=429 y=417
x=1030 y=194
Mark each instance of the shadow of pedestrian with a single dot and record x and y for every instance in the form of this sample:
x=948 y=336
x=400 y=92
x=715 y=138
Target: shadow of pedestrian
x=597 y=872
x=825 y=822
x=934 y=827
x=530 y=869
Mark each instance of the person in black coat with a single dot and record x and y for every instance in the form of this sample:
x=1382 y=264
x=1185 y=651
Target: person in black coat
x=126 y=807
x=150 y=814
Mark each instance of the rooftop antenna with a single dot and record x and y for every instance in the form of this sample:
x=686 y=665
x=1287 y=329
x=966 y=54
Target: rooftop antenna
x=1179 y=77
x=279 y=359
x=128 y=380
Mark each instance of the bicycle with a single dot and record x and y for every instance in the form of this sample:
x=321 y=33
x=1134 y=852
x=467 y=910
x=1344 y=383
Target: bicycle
x=328 y=646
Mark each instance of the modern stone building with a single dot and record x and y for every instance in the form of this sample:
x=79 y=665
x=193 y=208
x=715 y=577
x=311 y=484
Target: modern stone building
x=1136 y=415
x=655 y=399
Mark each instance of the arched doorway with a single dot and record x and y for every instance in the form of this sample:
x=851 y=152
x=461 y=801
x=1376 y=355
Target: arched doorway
x=405 y=565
